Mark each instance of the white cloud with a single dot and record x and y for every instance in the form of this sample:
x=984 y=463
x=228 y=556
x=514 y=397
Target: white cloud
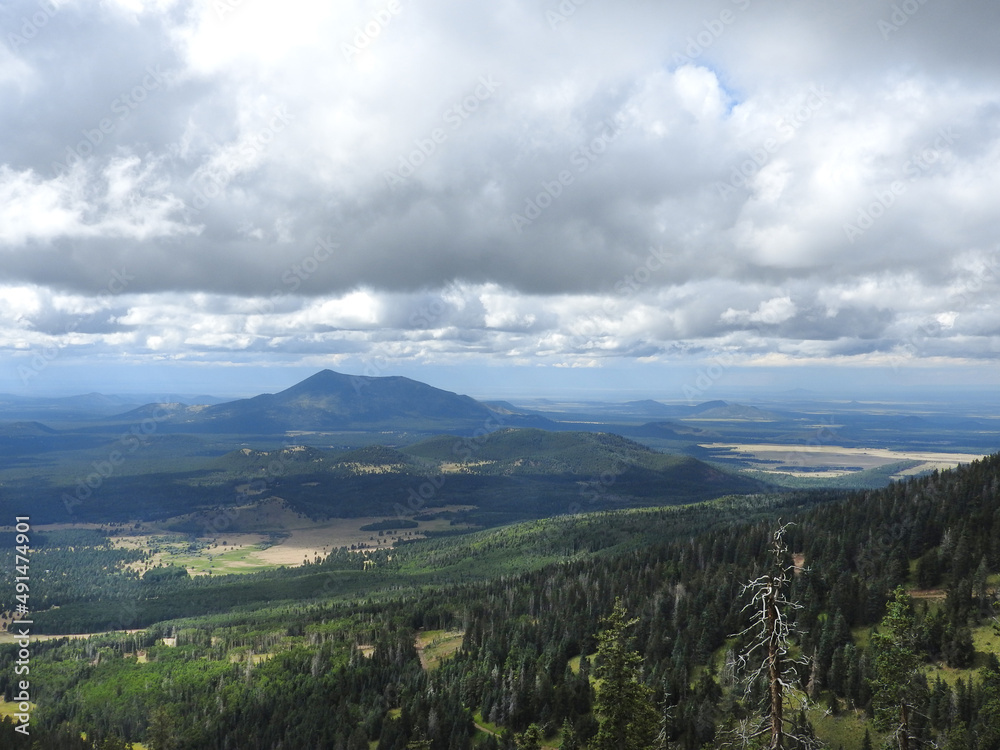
x=768 y=312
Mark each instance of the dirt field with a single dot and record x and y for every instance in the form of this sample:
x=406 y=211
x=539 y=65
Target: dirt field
x=834 y=461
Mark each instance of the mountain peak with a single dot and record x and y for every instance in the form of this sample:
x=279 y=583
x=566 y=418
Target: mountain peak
x=331 y=401
x=718 y=404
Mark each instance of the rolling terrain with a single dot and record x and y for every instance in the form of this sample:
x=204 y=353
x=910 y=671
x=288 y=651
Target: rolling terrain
x=483 y=634
x=386 y=561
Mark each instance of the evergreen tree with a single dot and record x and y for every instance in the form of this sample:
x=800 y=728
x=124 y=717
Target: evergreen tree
x=896 y=663
x=529 y=739
x=570 y=740
x=988 y=716
x=624 y=706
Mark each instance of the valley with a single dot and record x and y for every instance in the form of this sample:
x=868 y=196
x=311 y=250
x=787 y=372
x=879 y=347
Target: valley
x=833 y=461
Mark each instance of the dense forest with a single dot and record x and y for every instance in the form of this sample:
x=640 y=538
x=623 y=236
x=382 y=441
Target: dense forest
x=565 y=632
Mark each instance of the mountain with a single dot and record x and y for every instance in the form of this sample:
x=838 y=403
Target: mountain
x=649 y=407
x=721 y=410
x=31 y=439
x=332 y=401
x=708 y=406
x=63 y=408
x=86 y=407
x=25 y=429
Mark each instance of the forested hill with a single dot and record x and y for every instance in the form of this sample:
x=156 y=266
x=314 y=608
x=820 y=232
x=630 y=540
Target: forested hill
x=345 y=674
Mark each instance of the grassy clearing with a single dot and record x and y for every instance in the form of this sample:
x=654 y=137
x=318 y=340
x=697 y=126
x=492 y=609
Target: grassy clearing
x=247 y=548
x=985 y=640
x=574 y=663
x=845 y=730
x=244 y=558
x=434 y=646
x=862 y=636
x=9 y=709
x=6 y=637
x=484 y=727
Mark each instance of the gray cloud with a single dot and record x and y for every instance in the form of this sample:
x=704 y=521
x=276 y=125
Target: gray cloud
x=491 y=180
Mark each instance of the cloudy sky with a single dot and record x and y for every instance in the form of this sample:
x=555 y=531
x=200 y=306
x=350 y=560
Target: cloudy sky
x=501 y=198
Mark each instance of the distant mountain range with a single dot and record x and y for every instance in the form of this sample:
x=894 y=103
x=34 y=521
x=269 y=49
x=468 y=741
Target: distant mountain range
x=656 y=411
x=335 y=402
x=85 y=407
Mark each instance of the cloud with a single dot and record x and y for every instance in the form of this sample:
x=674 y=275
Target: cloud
x=492 y=181
x=770 y=312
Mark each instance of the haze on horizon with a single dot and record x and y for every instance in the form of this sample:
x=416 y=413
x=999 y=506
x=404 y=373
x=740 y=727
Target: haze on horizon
x=518 y=198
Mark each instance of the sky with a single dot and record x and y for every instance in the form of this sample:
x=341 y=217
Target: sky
x=672 y=199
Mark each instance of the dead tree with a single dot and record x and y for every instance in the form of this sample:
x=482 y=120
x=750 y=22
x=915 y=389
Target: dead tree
x=768 y=656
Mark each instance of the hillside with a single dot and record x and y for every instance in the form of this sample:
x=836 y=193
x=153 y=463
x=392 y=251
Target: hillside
x=508 y=475
x=598 y=457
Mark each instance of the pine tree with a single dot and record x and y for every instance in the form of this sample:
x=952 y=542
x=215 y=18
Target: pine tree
x=529 y=739
x=624 y=706
x=570 y=740
x=896 y=663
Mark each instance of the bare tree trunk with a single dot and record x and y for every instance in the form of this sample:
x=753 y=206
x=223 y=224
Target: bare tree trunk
x=904 y=728
x=774 y=667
